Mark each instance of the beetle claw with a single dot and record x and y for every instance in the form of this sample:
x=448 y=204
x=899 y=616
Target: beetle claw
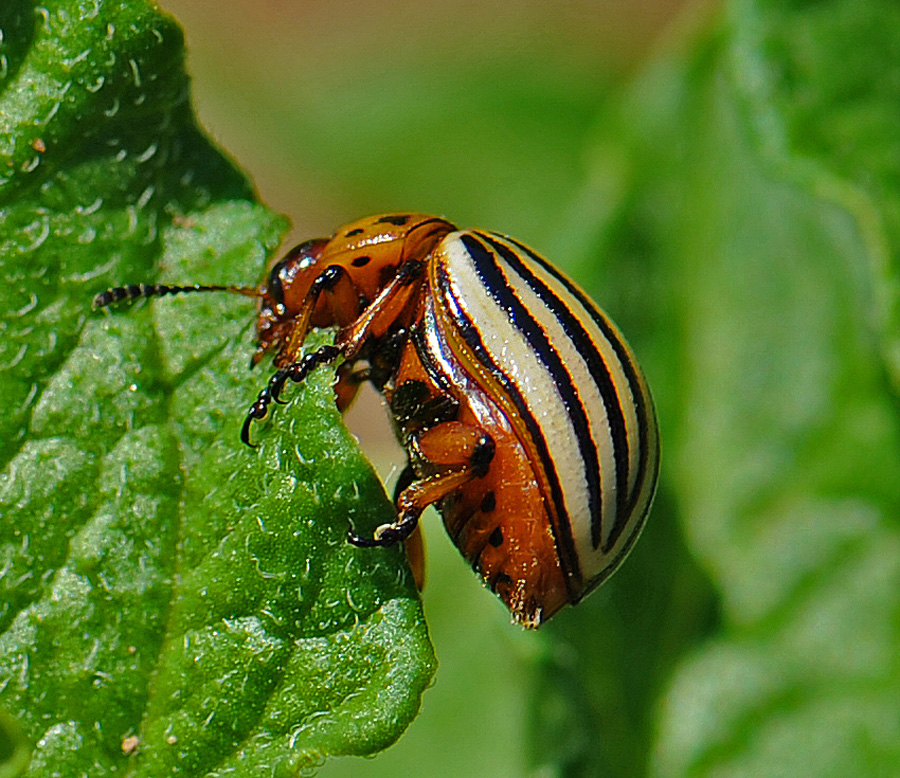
x=245 y=432
x=276 y=386
x=385 y=536
x=258 y=411
x=359 y=541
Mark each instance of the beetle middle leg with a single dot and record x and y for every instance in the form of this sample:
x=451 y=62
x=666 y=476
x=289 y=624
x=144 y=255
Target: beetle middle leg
x=458 y=452
x=395 y=299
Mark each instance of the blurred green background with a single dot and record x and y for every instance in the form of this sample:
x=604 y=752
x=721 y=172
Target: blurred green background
x=483 y=111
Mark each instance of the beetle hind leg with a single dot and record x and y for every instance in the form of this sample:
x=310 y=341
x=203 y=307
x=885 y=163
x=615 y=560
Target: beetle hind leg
x=414 y=499
x=458 y=453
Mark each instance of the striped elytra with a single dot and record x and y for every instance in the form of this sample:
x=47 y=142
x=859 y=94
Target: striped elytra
x=526 y=420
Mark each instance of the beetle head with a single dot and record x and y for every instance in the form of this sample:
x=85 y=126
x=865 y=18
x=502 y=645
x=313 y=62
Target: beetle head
x=283 y=292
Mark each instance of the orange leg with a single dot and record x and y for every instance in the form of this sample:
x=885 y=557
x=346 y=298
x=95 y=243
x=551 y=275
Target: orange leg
x=415 y=553
x=342 y=298
x=373 y=322
x=458 y=452
x=384 y=310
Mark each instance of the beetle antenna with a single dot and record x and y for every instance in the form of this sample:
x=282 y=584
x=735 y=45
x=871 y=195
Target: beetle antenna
x=137 y=291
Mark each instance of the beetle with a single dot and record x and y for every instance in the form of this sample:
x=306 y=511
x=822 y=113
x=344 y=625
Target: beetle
x=525 y=417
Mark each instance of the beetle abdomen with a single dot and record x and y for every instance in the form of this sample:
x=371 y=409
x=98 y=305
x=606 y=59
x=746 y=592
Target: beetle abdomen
x=498 y=520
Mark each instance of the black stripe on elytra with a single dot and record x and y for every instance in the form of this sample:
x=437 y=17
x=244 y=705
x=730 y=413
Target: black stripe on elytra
x=493 y=278
x=435 y=373
x=628 y=368
x=482 y=256
x=567 y=557
x=487 y=267
x=587 y=348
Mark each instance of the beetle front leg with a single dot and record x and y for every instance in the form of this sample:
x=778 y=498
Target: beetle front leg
x=296 y=372
x=336 y=287
x=461 y=452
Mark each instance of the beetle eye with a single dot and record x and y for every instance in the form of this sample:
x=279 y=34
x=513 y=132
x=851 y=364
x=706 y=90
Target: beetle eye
x=296 y=261
x=275 y=287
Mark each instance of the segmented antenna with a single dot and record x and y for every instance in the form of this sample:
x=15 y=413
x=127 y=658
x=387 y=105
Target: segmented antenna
x=137 y=291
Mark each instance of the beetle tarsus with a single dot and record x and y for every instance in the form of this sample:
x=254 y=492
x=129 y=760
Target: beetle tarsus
x=389 y=534
x=297 y=372
x=361 y=542
x=276 y=384
x=386 y=535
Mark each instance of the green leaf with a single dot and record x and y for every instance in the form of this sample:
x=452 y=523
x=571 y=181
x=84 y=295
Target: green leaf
x=171 y=600
x=14 y=752
x=738 y=220
x=757 y=211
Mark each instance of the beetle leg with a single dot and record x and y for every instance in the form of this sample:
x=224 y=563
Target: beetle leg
x=455 y=445
x=335 y=284
x=460 y=451
x=296 y=372
x=384 y=310
x=415 y=553
x=415 y=499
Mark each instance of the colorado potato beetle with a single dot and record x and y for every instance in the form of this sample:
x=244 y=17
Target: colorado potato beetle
x=525 y=417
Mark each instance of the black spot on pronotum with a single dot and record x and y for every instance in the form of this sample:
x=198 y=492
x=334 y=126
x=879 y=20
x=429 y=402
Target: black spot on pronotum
x=361 y=261
x=488 y=502
x=503 y=578
x=496 y=538
x=353 y=233
x=398 y=220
